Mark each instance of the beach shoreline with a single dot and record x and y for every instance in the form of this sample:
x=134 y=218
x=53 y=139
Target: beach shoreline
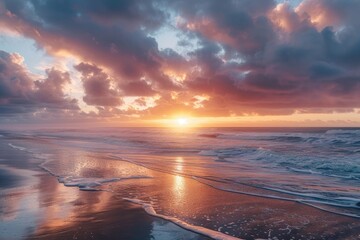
x=50 y=217
x=67 y=211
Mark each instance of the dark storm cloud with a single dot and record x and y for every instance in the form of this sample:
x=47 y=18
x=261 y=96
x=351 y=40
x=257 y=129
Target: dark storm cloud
x=238 y=25
x=249 y=56
x=301 y=67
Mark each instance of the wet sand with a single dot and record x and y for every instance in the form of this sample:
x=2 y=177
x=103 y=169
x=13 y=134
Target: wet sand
x=53 y=211
x=34 y=205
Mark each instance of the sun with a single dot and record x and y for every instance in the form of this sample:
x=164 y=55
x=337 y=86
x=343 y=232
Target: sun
x=182 y=121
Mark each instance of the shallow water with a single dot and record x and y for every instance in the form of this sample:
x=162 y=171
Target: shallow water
x=316 y=168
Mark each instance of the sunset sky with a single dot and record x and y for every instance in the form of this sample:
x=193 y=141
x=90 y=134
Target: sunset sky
x=162 y=62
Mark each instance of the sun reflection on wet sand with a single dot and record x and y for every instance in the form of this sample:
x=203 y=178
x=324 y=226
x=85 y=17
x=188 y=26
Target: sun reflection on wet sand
x=179 y=187
x=179 y=164
x=178 y=181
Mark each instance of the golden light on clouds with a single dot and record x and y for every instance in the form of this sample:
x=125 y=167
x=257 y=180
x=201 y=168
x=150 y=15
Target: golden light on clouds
x=175 y=76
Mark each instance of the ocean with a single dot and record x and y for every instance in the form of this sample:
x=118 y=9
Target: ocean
x=313 y=168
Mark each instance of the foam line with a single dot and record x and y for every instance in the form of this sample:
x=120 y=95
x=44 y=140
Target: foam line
x=91 y=184
x=302 y=201
x=17 y=147
x=201 y=230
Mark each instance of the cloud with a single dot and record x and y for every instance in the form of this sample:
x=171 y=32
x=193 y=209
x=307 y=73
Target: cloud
x=50 y=90
x=239 y=25
x=15 y=84
x=97 y=88
x=21 y=94
x=109 y=34
x=248 y=57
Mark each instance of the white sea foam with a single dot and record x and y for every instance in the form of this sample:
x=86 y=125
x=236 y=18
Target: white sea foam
x=307 y=202
x=204 y=231
x=86 y=184
x=17 y=147
x=342 y=131
x=210 y=135
x=303 y=170
x=208 y=153
x=331 y=211
x=42 y=165
x=92 y=184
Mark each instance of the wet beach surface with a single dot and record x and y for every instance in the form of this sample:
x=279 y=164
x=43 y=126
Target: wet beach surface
x=34 y=205
x=39 y=207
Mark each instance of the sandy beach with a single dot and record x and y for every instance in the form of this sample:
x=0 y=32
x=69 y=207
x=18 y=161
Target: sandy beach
x=35 y=205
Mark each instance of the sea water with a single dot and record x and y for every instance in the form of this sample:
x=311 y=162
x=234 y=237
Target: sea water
x=319 y=167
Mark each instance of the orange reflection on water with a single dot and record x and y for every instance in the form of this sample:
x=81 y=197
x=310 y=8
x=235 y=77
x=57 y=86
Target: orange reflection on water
x=179 y=164
x=63 y=207
x=178 y=181
x=179 y=185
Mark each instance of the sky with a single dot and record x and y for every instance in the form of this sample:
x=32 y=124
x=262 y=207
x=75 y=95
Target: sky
x=153 y=62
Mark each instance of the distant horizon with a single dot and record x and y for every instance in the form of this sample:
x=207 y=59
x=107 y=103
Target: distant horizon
x=14 y=127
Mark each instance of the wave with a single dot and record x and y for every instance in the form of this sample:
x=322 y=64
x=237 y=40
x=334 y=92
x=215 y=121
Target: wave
x=91 y=184
x=85 y=184
x=311 y=199
x=307 y=171
x=208 y=153
x=338 y=137
x=210 y=135
x=94 y=184
x=342 y=131
x=201 y=230
x=232 y=152
x=17 y=147
x=344 y=166
x=334 y=153
x=321 y=199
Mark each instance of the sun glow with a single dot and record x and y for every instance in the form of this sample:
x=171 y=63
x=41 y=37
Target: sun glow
x=182 y=121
